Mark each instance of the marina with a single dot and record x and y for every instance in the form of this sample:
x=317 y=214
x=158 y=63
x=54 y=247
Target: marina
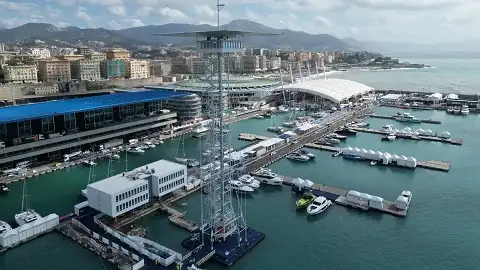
x=411 y=136
x=394 y=117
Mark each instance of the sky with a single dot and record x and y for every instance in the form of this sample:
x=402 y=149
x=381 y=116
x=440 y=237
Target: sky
x=416 y=21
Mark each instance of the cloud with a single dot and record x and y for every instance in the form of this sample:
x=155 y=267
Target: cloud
x=118 y=10
x=133 y=22
x=67 y=3
x=83 y=15
x=144 y=11
x=204 y=11
x=173 y=15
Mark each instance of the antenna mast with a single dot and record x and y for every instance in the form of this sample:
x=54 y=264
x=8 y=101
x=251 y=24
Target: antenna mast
x=219 y=8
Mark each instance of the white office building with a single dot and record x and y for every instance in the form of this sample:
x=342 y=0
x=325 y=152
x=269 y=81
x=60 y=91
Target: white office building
x=119 y=194
x=168 y=177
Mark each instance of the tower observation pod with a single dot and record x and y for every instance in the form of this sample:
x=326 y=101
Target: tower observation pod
x=224 y=233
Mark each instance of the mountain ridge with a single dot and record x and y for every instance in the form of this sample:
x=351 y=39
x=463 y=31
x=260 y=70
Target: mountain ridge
x=143 y=35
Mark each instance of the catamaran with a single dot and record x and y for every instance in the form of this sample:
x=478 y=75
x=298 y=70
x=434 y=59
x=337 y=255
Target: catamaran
x=26 y=215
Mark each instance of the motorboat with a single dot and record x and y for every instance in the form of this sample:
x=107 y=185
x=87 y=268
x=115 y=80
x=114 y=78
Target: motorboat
x=188 y=161
x=318 y=205
x=351 y=156
x=4 y=188
x=68 y=157
x=361 y=125
x=456 y=110
x=136 y=150
x=115 y=156
x=306 y=153
x=258 y=116
x=249 y=181
x=390 y=137
x=275 y=129
x=89 y=163
x=336 y=154
x=407 y=195
x=387 y=128
x=465 y=110
x=133 y=141
x=332 y=140
x=289 y=124
x=23 y=164
x=199 y=132
x=298 y=157
x=407 y=118
x=238 y=186
x=149 y=144
x=305 y=200
x=266 y=176
x=266 y=115
x=337 y=136
x=373 y=163
x=324 y=142
x=449 y=110
x=348 y=131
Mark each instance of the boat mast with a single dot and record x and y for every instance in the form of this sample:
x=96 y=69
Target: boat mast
x=126 y=159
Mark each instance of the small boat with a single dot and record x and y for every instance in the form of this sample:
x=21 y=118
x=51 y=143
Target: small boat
x=289 y=124
x=89 y=163
x=305 y=200
x=336 y=154
x=275 y=129
x=249 y=181
x=136 y=150
x=324 y=142
x=150 y=144
x=351 y=156
x=188 y=161
x=390 y=137
x=4 y=188
x=332 y=141
x=465 y=110
x=259 y=116
x=449 y=110
x=298 y=157
x=337 y=136
x=115 y=156
x=199 y=132
x=347 y=131
x=306 y=153
x=268 y=177
x=387 y=128
x=456 y=110
x=237 y=186
x=266 y=115
x=319 y=205
x=4 y=227
x=373 y=163
x=362 y=125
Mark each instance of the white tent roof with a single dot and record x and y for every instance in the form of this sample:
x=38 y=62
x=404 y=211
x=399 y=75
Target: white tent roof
x=298 y=182
x=308 y=183
x=335 y=90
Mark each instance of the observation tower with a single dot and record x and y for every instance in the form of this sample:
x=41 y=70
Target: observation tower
x=224 y=233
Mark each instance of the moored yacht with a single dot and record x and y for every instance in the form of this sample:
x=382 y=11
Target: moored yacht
x=456 y=110
x=289 y=124
x=306 y=153
x=450 y=110
x=26 y=215
x=268 y=177
x=337 y=136
x=199 y=132
x=136 y=150
x=188 y=161
x=249 y=181
x=4 y=226
x=4 y=188
x=465 y=110
x=275 y=129
x=237 y=186
x=319 y=205
x=298 y=157
x=390 y=137
x=89 y=163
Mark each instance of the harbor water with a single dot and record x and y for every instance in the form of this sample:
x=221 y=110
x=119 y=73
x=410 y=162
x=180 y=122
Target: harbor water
x=439 y=232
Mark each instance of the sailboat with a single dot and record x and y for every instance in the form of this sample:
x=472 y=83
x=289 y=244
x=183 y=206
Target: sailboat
x=274 y=128
x=26 y=215
x=91 y=178
x=183 y=160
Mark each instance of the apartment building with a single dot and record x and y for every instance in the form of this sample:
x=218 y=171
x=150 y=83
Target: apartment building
x=302 y=56
x=112 y=69
x=137 y=69
x=117 y=54
x=45 y=89
x=179 y=65
x=250 y=63
x=196 y=65
x=39 y=52
x=160 y=68
x=275 y=63
x=233 y=63
x=84 y=50
x=96 y=56
x=21 y=74
x=262 y=63
x=71 y=57
x=54 y=71
x=85 y=70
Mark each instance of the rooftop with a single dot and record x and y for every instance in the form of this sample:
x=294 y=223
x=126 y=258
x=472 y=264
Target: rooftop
x=335 y=90
x=59 y=107
x=119 y=183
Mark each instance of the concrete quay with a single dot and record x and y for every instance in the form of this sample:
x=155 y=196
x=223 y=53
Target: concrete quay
x=391 y=117
x=412 y=137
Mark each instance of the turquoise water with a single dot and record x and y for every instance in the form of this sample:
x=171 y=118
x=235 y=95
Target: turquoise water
x=448 y=75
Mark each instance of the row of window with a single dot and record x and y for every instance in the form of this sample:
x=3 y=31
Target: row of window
x=130 y=193
x=171 y=185
x=170 y=177
x=132 y=202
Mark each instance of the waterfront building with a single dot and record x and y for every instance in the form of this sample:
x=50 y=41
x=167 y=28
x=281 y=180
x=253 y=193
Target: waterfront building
x=85 y=70
x=21 y=74
x=54 y=71
x=241 y=91
x=112 y=69
x=48 y=130
x=117 y=54
x=118 y=194
x=165 y=177
x=137 y=69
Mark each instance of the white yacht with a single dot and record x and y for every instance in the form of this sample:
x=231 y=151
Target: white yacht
x=67 y=157
x=456 y=110
x=268 y=177
x=4 y=188
x=275 y=129
x=387 y=128
x=150 y=144
x=408 y=195
x=306 y=153
x=132 y=141
x=249 y=181
x=237 y=186
x=115 y=156
x=298 y=157
x=89 y=163
x=389 y=137
x=258 y=116
x=4 y=227
x=188 y=161
x=319 y=205
x=136 y=150
x=199 y=132
x=465 y=110
x=450 y=110
x=289 y=124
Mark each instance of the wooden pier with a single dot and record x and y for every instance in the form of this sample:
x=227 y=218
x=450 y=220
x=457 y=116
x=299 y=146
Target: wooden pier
x=338 y=195
x=178 y=218
x=392 y=117
x=412 y=137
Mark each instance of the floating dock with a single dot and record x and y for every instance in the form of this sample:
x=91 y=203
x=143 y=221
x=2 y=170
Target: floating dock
x=339 y=197
x=391 y=117
x=178 y=218
x=412 y=137
x=252 y=137
x=435 y=165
